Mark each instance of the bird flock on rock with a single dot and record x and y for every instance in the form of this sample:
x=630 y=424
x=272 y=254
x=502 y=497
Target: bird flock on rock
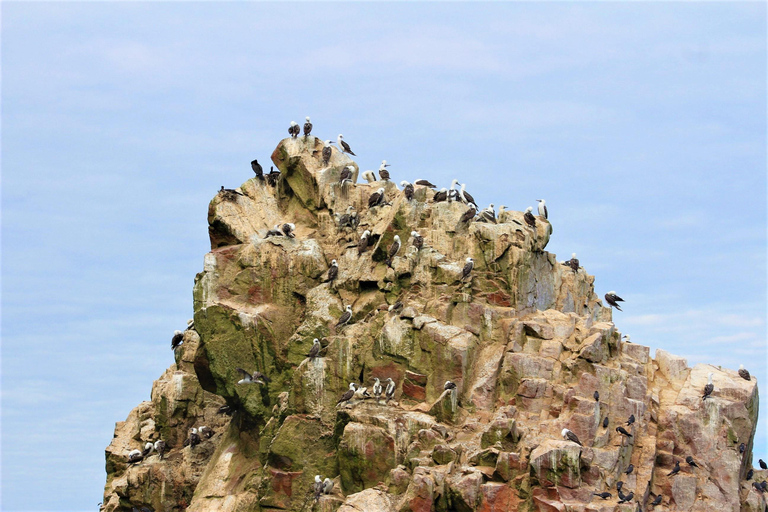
x=384 y=389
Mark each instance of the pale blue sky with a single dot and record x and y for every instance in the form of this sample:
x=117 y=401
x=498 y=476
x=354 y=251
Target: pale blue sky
x=642 y=124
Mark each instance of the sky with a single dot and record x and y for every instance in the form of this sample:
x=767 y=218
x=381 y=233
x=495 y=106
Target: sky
x=643 y=125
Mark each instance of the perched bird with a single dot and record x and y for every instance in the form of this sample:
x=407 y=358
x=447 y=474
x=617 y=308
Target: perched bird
x=362 y=245
x=389 y=392
x=307 y=127
x=135 y=456
x=424 y=183
x=345 y=317
x=487 y=215
x=229 y=194
x=272 y=176
x=257 y=170
x=573 y=262
x=570 y=436
x=226 y=409
x=148 y=447
x=762 y=464
x=348 y=394
x=543 y=208
x=449 y=385
x=757 y=487
x=344 y=146
x=276 y=231
x=407 y=190
x=453 y=194
x=361 y=393
x=327 y=486
x=629 y=469
x=690 y=461
x=623 y=432
x=625 y=338
x=676 y=469
x=377 y=388
x=206 y=432
x=317 y=487
x=396 y=307
x=612 y=299
x=764 y=486
x=327 y=150
x=393 y=249
x=178 y=338
x=529 y=218
x=294 y=129
x=627 y=498
x=349 y=218
x=597 y=396
x=465 y=196
x=605 y=422
x=709 y=388
x=605 y=495
x=193 y=439
x=631 y=419
x=750 y=474
x=619 y=485
x=315 y=350
x=376 y=199
x=369 y=176
x=256 y=378
x=345 y=175
x=288 y=229
x=742 y=448
x=160 y=447
x=656 y=500
x=333 y=271
x=440 y=196
x=469 y=214
x=383 y=172
x=418 y=240
x=743 y=373
x=468 y=266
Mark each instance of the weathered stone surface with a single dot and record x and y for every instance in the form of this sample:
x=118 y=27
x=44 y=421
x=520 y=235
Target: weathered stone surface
x=366 y=455
x=557 y=463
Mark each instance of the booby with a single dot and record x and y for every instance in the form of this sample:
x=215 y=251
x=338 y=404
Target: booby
x=193 y=439
x=344 y=146
x=333 y=271
x=570 y=436
x=288 y=229
x=393 y=249
x=396 y=307
x=453 y=194
x=148 y=447
x=317 y=487
x=418 y=240
x=543 y=208
x=226 y=409
x=623 y=432
x=469 y=214
x=347 y=219
x=762 y=464
x=327 y=150
x=276 y=231
x=604 y=495
x=178 y=338
x=383 y=172
x=613 y=300
x=377 y=388
x=135 y=456
x=440 y=196
x=294 y=129
x=573 y=262
x=257 y=170
x=345 y=317
x=656 y=500
x=348 y=394
x=345 y=175
x=676 y=469
x=362 y=245
x=315 y=350
x=376 y=199
x=465 y=196
x=369 y=176
x=500 y=216
x=743 y=373
x=529 y=218
x=424 y=183
x=307 y=127
x=631 y=419
x=468 y=266
x=361 y=393
x=691 y=462
x=449 y=385
x=389 y=392
x=160 y=447
x=272 y=176
x=605 y=422
x=206 y=432
x=327 y=486
x=629 y=469
x=709 y=388
x=256 y=378
x=488 y=215
x=407 y=190
x=596 y=394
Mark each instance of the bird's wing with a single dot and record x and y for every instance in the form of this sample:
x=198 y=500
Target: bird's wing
x=246 y=374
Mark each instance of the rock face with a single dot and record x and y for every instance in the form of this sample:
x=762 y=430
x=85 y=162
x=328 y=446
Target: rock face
x=524 y=338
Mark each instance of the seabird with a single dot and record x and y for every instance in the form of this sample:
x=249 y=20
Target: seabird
x=631 y=419
x=257 y=170
x=276 y=231
x=676 y=469
x=294 y=129
x=193 y=439
x=327 y=486
x=376 y=199
x=393 y=249
x=465 y=196
x=418 y=240
x=333 y=271
x=226 y=409
x=596 y=394
x=256 y=378
x=604 y=495
x=627 y=498
x=383 y=172
x=469 y=214
x=656 y=500
x=500 y=216
x=605 y=422
x=361 y=393
x=207 y=432
x=630 y=469
x=377 y=388
x=453 y=194
x=488 y=215
x=345 y=317
x=570 y=436
x=709 y=388
x=396 y=307
x=389 y=392
x=424 y=183
x=178 y=338
x=750 y=474
x=758 y=487
x=440 y=196
x=315 y=350
x=272 y=176
x=288 y=229
x=362 y=245
x=344 y=146
x=449 y=385
x=623 y=432
x=327 y=150
x=691 y=462
x=529 y=218
x=317 y=487
x=160 y=447
x=345 y=175
x=742 y=448
x=743 y=373
x=573 y=262
x=228 y=193
x=135 y=456
x=762 y=464
x=612 y=299
x=348 y=218
x=619 y=485
x=348 y=394
x=407 y=190
x=369 y=176
x=543 y=208
x=307 y=127
x=468 y=266
x=148 y=447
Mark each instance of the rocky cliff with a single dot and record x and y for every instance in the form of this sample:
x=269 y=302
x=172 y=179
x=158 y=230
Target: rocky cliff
x=525 y=339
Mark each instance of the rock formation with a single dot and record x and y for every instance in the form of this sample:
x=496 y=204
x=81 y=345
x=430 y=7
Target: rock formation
x=525 y=339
